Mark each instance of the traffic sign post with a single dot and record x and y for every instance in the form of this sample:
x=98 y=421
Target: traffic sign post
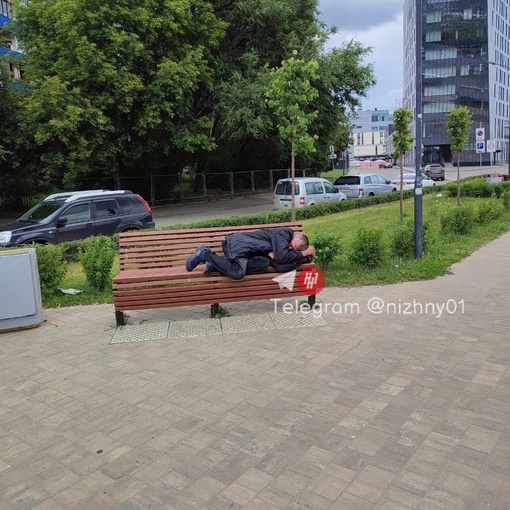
x=480 y=147
x=332 y=157
x=491 y=149
x=480 y=134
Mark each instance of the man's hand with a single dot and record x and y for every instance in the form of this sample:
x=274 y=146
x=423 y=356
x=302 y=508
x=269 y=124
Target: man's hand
x=309 y=251
x=271 y=255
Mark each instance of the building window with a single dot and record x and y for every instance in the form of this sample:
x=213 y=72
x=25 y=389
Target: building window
x=433 y=36
x=434 y=17
x=5 y=9
x=439 y=90
x=438 y=107
x=440 y=72
x=441 y=54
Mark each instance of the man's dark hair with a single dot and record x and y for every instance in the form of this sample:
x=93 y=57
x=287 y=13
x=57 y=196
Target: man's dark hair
x=303 y=241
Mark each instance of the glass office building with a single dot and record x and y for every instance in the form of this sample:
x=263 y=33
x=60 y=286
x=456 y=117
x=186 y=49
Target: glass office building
x=466 y=62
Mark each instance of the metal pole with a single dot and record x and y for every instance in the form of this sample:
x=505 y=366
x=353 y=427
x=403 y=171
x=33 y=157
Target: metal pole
x=418 y=185
x=508 y=155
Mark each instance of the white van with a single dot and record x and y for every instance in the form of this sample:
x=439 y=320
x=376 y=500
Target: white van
x=309 y=191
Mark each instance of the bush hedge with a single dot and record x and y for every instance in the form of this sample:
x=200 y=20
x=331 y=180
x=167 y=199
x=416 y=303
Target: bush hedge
x=476 y=187
x=369 y=248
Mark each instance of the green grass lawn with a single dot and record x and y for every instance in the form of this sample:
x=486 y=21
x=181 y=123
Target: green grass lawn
x=440 y=251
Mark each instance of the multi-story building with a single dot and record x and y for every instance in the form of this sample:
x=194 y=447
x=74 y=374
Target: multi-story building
x=370 y=129
x=8 y=45
x=466 y=62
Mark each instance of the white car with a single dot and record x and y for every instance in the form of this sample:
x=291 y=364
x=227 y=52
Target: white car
x=355 y=164
x=409 y=181
x=308 y=191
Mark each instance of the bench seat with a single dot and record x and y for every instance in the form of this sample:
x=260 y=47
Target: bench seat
x=152 y=273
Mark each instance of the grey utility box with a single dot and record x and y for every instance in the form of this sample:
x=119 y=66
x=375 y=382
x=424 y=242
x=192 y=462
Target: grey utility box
x=20 y=291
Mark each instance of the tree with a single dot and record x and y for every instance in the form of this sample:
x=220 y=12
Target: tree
x=458 y=127
x=289 y=96
x=402 y=141
x=114 y=83
x=260 y=35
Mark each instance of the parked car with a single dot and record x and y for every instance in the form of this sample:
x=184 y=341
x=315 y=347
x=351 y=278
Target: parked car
x=76 y=215
x=355 y=164
x=364 y=185
x=308 y=191
x=385 y=164
x=435 y=171
x=408 y=180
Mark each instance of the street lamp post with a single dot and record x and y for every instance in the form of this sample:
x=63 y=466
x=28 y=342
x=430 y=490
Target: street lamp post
x=504 y=66
x=418 y=184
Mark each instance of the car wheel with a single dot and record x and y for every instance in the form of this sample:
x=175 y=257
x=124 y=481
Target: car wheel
x=371 y=195
x=394 y=189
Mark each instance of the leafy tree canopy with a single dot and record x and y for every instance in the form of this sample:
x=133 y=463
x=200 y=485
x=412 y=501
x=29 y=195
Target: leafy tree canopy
x=114 y=82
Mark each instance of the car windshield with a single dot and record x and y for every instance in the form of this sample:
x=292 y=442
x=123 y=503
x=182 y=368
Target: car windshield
x=40 y=212
x=285 y=188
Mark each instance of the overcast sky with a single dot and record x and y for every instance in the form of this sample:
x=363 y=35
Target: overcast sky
x=378 y=24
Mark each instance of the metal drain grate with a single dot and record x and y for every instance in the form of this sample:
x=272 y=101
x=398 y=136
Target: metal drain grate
x=141 y=332
x=204 y=327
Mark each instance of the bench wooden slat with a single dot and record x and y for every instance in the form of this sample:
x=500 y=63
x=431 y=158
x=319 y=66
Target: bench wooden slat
x=152 y=273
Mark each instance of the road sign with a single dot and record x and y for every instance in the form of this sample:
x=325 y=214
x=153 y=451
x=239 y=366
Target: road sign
x=480 y=134
x=331 y=148
x=491 y=146
x=332 y=156
x=480 y=147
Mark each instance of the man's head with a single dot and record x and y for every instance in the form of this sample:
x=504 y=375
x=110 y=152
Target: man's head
x=299 y=242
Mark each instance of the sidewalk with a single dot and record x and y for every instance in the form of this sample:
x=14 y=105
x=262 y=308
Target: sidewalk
x=358 y=410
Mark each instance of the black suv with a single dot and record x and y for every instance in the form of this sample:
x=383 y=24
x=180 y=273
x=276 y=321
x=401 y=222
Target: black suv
x=78 y=214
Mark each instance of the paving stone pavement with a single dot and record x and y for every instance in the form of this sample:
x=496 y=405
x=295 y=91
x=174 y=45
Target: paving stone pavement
x=386 y=411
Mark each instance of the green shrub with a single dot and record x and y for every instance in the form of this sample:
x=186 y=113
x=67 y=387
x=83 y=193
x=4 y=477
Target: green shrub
x=52 y=268
x=368 y=248
x=505 y=198
x=457 y=220
x=489 y=210
x=402 y=242
x=476 y=187
x=97 y=261
x=327 y=249
x=71 y=250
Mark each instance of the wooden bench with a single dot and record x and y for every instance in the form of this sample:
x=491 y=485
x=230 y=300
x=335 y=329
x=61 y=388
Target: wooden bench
x=152 y=272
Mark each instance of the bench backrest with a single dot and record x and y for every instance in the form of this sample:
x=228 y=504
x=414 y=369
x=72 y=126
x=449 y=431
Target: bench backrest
x=153 y=249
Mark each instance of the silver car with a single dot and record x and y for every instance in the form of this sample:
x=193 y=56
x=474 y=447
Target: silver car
x=308 y=191
x=364 y=185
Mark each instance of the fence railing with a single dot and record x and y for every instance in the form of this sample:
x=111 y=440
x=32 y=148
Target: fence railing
x=177 y=188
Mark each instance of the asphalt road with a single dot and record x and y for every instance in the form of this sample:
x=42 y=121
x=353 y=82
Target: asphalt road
x=188 y=213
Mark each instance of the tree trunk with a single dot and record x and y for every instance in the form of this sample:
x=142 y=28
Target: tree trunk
x=401 y=188
x=293 y=183
x=458 y=178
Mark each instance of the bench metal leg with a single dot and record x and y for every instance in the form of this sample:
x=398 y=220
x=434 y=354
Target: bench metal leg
x=120 y=317
x=311 y=300
x=215 y=309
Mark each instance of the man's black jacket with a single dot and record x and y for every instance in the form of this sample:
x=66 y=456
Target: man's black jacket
x=262 y=242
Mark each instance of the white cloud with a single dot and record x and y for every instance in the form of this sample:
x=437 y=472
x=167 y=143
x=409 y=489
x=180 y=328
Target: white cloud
x=381 y=29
